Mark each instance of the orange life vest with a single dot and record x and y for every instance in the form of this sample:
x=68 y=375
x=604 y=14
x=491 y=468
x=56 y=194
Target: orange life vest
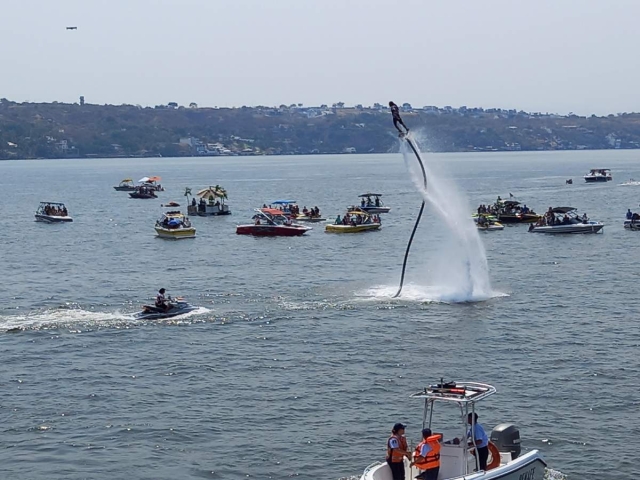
x=393 y=454
x=432 y=460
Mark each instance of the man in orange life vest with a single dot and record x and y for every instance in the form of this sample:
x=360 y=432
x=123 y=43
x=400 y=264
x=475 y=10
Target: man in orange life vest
x=397 y=449
x=427 y=455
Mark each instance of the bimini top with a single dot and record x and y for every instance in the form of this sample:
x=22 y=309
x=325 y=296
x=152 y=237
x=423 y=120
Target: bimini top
x=270 y=211
x=149 y=179
x=57 y=204
x=563 y=209
x=600 y=170
x=370 y=195
x=283 y=202
x=511 y=202
x=457 y=392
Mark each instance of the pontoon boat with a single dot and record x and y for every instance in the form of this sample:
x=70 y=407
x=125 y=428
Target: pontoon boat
x=211 y=203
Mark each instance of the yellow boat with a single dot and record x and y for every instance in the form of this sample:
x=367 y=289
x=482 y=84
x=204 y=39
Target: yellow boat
x=354 y=221
x=175 y=225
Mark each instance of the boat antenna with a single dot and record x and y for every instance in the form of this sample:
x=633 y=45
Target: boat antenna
x=415 y=226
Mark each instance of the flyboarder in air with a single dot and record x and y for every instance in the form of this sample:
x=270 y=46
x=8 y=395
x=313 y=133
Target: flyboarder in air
x=395 y=112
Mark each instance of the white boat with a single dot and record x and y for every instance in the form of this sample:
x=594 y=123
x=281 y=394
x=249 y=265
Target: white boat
x=152 y=183
x=571 y=223
x=373 y=206
x=456 y=459
x=598 y=175
x=52 y=212
x=487 y=223
x=175 y=225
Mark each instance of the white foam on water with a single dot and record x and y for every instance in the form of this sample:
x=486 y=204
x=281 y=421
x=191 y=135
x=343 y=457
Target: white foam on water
x=459 y=272
x=424 y=294
x=79 y=319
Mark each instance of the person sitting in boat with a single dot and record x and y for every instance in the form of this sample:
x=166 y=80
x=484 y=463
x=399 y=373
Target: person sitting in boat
x=363 y=203
x=305 y=211
x=161 y=301
x=338 y=220
x=566 y=220
x=525 y=209
x=585 y=219
x=629 y=214
x=64 y=211
x=377 y=201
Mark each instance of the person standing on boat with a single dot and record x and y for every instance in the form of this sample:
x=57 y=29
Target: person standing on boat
x=629 y=214
x=395 y=113
x=477 y=433
x=427 y=455
x=397 y=449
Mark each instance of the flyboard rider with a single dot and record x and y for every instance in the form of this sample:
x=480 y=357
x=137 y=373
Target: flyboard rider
x=395 y=113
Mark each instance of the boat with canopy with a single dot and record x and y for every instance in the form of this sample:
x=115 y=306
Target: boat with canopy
x=272 y=222
x=212 y=202
x=52 y=212
x=125 y=185
x=371 y=203
x=565 y=220
x=457 y=459
x=151 y=183
x=174 y=224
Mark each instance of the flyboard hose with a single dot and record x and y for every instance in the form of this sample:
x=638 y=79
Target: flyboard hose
x=415 y=226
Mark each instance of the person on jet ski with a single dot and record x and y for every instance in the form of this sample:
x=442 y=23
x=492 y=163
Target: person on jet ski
x=161 y=301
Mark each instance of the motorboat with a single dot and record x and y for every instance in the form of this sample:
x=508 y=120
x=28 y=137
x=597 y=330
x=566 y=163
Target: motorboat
x=125 y=185
x=372 y=206
x=272 y=222
x=511 y=211
x=570 y=222
x=310 y=215
x=175 y=307
x=457 y=462
x=355 y=220
x=52 y=212
x=143 y=192
x=487 y=223
x=152 y=183
x=211 y=203
x=175 y=225
x=598 y=175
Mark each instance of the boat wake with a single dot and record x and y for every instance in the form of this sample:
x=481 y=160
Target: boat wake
x=457 y=263
x=77 y=320
x=428 y=294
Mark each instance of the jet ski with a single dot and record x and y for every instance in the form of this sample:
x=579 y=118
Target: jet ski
x=176 y=307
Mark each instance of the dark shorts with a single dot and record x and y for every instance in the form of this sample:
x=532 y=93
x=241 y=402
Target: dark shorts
x=397 y=470
x=431 y=474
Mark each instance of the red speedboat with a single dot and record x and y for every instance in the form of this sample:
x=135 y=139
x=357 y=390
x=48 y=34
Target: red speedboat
x=270 y=222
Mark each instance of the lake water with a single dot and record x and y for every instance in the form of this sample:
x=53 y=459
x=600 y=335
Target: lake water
x=299 y=362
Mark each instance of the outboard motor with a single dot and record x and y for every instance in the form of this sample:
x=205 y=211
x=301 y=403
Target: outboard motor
x=506 y=437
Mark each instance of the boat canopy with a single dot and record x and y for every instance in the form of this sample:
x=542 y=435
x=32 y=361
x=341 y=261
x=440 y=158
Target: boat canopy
x=270 y=211
x=511 y=202
x=283 y=202
x=456 y=392
x=370 y=195
x=216 y=191
x=149 y=179
x=600 y=170
x=52 y=203
x=563 y=209
x=127 y=180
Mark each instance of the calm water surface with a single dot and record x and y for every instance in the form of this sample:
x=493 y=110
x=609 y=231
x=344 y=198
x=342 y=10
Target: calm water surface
x=297 y=365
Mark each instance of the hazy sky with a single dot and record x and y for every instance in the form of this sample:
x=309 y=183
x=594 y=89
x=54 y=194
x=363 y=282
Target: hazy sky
x=536 y=55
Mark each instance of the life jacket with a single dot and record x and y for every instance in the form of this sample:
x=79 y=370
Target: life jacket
x=393 y=455
x=432 y=460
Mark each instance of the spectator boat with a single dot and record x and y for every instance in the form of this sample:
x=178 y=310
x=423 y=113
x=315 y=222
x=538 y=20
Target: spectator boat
x=174 y=225
x=52 y=212
x=126 y=185
x=272 y=222
x=355 y=220
x=373 y=206
x=457 y=462
x=510 y=211
x=598 y=175
x=487 y=222
x=569 y=223
x=143 y=192
x=212 y=202
x=152 y=183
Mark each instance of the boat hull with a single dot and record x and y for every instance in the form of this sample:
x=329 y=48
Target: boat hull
x=143 y=195
x=124 y=189
x=631 y=225
x=208 y=210
x=151 y=312
x=491 y=228
x=53 y=219
x=530 y=466
x=176 y=233
x=580 y=228
x=304 y=218
x=518 y=218
x=352 y=228
x=597 y=179
x=272 y=230
x=376 y=209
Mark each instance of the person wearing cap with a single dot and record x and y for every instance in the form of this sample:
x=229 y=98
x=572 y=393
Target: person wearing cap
x=427 y=455
x=481 y=440
x=397 y=449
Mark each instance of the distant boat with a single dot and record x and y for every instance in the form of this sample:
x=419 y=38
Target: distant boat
x=72 y=28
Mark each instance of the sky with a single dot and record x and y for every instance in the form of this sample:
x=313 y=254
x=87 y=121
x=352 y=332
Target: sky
x=536 y=55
